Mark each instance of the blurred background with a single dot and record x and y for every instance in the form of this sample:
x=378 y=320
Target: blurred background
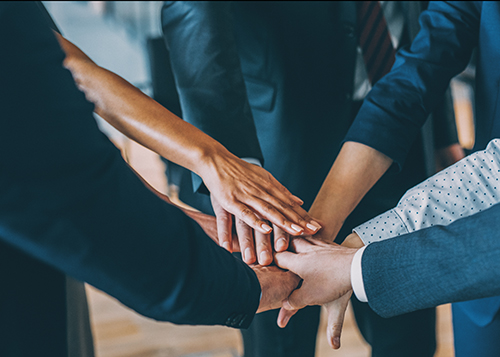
x=125 y=37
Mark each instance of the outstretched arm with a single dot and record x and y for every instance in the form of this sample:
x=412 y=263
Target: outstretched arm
x=357 y=168
x=247 y=191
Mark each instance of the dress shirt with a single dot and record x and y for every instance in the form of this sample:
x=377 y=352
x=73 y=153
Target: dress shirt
x=463 y=189
x=395 y=19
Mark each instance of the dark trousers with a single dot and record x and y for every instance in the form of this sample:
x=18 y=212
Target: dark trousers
x=409 y=335
x=298 y=338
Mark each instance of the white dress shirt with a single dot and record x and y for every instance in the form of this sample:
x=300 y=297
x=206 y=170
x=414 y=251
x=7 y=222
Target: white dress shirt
x=463 y=189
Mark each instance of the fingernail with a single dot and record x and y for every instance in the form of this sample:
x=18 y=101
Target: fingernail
x=285 y=321
x=296 y=228
x=311 y=227
x=281 y=244
x=248 y=254
x=336 y=341
x=225 y=245
x=316 y=225
x=299 y=200
x=286 y=305
x=265 y=257
x=266 y=228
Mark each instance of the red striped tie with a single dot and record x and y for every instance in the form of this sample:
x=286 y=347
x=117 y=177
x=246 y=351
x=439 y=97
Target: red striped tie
x=374 y=39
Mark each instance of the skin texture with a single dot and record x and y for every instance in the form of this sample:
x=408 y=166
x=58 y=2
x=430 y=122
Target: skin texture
x=325 y=270
x=353 y=174
x=242 y=193
x=276 y=284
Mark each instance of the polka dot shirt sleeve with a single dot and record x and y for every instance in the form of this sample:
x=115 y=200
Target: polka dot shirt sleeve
x=463 y=189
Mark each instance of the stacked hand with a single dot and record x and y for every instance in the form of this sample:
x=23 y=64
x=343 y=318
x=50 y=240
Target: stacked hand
x=257 y=201
x=326 y=272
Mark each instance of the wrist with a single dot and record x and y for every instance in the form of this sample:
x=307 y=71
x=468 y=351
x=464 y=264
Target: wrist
x=205 y=158
x=353 y=241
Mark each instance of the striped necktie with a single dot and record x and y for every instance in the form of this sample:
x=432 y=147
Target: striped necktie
x=375 y=40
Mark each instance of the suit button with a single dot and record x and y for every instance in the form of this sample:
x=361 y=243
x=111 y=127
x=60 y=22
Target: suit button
x=349 y=30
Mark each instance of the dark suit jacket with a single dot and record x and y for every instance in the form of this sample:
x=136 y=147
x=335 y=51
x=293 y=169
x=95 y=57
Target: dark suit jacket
x=69 y=204
x=434 y=266
x=442 y=49
x=274 y=81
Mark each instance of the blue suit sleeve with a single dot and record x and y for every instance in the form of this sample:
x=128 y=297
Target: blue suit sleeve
x=68 y=198
x=207 y=70
x=434 y=266
x=398 y=105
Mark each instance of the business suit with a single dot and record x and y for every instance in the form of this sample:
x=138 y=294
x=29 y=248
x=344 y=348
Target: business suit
x=70 y=205
x=429 y=273
x=442 y=49
x=274 y=81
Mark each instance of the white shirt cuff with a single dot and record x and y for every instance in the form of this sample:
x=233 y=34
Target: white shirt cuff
x=357 y=276
x=252 y=160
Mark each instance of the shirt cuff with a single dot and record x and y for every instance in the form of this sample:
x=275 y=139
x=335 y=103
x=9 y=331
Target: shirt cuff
x=385 y=226
x=357 y=276
x=252 y=160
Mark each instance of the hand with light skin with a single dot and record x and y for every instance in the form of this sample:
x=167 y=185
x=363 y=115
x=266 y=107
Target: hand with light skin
x=246 y=191
x=326 y=272
x=256 y=246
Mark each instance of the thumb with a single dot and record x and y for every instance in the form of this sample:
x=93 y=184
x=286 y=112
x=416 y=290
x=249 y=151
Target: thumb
x=286 y=260
x=336 y=314
x=284 y=316
x=298 y=299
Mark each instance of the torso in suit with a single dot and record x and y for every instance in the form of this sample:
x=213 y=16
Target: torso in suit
x=69 y=204
x=274 y=81
x=442 y=50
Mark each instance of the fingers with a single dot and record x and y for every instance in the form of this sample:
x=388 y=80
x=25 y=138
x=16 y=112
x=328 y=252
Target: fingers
x=248 y=216
x=263 y=248
x=301 y=245
x=281 y=239
x=335 y=315
x=286 y=260
x=298 y=299
x=284 y=217
x=293 y=220
x=246 y=239
x=224 y=228
x=224 y=221
x=284 y=316
x=310 y=225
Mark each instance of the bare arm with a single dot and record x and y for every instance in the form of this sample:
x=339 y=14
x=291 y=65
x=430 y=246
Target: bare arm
x=247 y=191
x=357 y=168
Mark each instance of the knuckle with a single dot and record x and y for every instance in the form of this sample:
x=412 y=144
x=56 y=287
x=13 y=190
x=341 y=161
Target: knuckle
x=245 y=212
x=336 y=327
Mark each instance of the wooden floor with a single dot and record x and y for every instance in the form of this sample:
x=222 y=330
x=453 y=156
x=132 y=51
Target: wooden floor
x=120 y=332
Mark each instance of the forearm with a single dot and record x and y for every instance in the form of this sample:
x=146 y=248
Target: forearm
x=434 y=266
x=357 y=168
x=138 y=116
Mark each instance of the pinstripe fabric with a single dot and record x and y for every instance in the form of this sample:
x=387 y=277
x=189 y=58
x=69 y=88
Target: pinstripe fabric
x=374 y=40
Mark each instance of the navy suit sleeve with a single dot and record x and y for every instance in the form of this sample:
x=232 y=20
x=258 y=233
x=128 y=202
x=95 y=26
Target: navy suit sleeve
x=434 y=266
x=207 y=70
x=68 y=198
x=397 y=106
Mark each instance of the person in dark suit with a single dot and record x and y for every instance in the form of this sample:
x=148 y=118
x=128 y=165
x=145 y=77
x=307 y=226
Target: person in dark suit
x=416 y=271
x=69 y=204
x=277 y=82
x=399 y=104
